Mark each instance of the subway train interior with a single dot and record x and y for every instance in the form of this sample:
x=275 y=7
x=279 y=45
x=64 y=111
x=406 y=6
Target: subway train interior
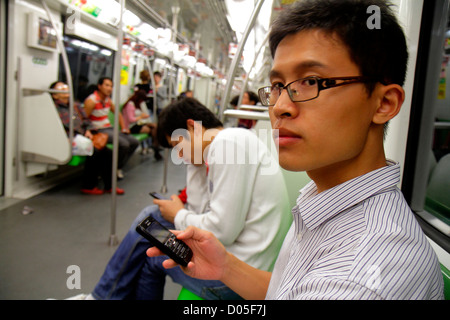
x=217 y=50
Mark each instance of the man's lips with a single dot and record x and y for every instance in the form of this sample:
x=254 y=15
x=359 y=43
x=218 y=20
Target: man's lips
x=284 y=137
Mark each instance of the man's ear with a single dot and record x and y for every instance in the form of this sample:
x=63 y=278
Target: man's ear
x=392 y=97
x=190 y=124
x=194 y=126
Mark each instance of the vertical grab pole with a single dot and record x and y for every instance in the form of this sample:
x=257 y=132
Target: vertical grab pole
x=237 y=58
x=66 y=67
x=175 y=12
x=113 y=240
x=244 y=87
x=152 y=80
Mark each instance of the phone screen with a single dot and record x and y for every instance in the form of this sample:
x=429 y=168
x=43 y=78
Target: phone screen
x=158 y=196
x=159 y=232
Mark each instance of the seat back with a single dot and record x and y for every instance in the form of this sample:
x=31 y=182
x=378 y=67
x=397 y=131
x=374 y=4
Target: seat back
x=438 y=190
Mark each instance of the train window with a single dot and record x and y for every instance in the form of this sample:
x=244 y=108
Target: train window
x=88 y=63
x=426 y=180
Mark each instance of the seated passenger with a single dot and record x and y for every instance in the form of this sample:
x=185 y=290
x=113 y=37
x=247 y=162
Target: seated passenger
x=97 y=107
x=238 y=202
x=249 y=98
x=100 y=163
x=335 y=84
x=136 y=120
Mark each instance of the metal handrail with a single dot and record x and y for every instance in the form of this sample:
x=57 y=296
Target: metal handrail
x=260 y=49
x=243 y=114
x=237 y=58
x=113 y=240
x=252 y=107
x=63 y=52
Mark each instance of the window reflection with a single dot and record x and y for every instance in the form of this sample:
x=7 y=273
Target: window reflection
x=437 y=201
x=88 y=63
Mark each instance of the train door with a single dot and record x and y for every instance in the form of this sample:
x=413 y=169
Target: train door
x=426 y=179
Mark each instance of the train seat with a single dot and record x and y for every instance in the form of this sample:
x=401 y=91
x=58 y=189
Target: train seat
x=185 y=294
x=437 y=199
x=140 y=136
x=79 y=160
x=446 y=275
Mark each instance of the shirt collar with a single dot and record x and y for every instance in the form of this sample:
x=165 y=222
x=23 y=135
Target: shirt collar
x=315 y=209
x=97 y=96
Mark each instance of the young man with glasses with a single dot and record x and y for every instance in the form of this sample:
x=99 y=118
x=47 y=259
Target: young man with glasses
x=335 y=84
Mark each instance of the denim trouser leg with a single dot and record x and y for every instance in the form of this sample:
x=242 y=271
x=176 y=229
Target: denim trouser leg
x=130 y=274
x=150 y=285
x=119 y=278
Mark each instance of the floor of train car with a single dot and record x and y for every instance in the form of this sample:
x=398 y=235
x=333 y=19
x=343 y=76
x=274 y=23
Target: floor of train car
x=67 y=228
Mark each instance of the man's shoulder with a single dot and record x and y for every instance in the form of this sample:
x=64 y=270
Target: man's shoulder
x=92 y=98
x=394 y=247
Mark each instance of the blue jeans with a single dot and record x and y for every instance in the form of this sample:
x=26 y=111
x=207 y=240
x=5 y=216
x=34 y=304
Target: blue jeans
x=131 y=274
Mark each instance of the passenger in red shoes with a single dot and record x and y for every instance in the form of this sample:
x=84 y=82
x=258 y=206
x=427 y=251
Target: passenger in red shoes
x=94 y=191
x=100 y=163
x=97 y=191
x=118 y=191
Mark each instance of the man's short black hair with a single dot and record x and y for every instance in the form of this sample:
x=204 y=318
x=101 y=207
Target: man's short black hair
x=175 y=116
x=102 y=79
x=379 y=53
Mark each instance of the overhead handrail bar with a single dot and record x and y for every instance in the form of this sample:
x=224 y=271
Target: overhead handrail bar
x=237 y=58
x=152 y=13
x=33 y=92
x=243 y=114
x=252 y=107
x=442 y=125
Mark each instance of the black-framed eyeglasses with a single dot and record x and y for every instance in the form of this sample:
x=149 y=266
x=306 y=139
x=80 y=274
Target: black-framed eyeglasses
x=305 y=89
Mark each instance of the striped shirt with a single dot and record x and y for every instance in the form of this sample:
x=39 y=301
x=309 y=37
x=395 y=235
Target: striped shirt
x=99 y=115
x=358 y=240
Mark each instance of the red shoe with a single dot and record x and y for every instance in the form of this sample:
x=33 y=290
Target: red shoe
x=118 y=191
x=94 y=191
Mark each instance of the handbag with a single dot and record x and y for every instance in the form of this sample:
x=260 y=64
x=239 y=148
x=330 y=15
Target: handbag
x=99 y=140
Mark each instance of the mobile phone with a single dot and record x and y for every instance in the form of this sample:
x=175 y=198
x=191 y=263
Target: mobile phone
x=158 y=196
x=164 y=240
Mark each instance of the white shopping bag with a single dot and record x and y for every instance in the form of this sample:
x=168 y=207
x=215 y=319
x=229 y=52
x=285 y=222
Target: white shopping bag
x=82 y=146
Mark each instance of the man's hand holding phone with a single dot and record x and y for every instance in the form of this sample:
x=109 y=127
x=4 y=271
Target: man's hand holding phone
x=210 y=259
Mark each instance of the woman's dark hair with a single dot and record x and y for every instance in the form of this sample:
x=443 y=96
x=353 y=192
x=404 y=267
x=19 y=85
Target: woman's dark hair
x=252 y=96
x=380 y=53
x=138 y=97
x=175 y=116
